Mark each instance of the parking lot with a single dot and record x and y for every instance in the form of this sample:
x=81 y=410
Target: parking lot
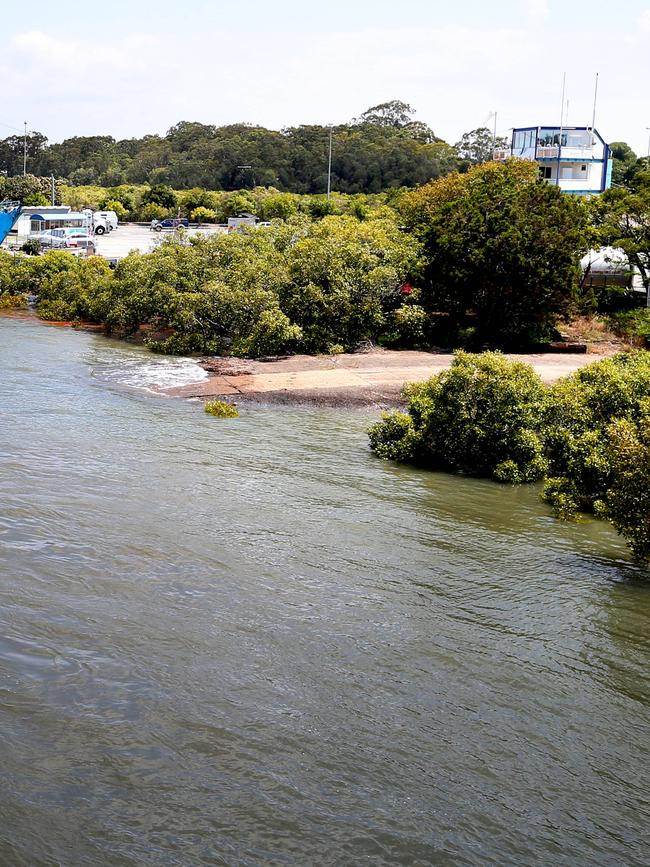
x=129 y=236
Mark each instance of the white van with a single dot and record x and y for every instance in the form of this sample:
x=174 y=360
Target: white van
x=103 y=221
x=109 y=217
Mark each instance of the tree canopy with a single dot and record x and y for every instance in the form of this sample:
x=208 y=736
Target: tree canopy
x=384 y=147
x=501 y=250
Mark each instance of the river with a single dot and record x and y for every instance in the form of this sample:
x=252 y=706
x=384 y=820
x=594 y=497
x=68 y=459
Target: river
x=248 y=641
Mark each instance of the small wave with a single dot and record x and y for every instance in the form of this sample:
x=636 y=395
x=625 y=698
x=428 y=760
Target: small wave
x=146 y=372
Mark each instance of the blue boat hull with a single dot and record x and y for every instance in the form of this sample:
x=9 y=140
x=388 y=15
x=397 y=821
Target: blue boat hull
x=9 y=213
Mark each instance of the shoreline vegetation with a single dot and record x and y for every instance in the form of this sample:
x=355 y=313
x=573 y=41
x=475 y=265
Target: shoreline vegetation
x=587 y=436
x=485 y=260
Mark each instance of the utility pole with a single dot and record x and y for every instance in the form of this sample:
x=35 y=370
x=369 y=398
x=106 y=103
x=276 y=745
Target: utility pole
x=329 y=168
x=25 y=151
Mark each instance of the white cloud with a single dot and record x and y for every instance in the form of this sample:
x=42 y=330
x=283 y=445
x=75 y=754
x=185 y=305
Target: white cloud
x=644 y=21
x=537 y=8
x=454 y=76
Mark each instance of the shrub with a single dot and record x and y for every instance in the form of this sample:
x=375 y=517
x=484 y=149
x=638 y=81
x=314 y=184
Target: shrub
x=114 y=205
x=31 y=246
x=153 y=211
x=481 y=417
x=8 y=301
x=221 y=409
x=631 y=324
x=627 y=504
x=410 y=327
x=203 y=215
x=56 y=311
x=588 y=433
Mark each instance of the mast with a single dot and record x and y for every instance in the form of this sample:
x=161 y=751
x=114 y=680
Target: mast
x=593 y=117
x=559 y=140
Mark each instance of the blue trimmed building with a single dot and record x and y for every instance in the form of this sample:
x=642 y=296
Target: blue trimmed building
x=576 y=158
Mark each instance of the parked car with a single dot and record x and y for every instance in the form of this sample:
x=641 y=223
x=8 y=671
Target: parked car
x=169 y=223
x=48 y=238
x=81 y=242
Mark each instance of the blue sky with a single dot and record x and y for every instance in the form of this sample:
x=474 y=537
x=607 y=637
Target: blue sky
x=127 y=68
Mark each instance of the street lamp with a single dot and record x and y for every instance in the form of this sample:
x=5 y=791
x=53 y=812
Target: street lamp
x=329 y=168
x=648 y=157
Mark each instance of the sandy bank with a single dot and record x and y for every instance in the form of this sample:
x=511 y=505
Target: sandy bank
x=370 y=379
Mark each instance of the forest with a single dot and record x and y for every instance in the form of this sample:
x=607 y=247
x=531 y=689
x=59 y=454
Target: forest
x=384 y=147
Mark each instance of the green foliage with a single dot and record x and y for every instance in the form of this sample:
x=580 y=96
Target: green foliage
x=8 y=301
x=343 y=277
x=221 y=409
x=279 y=206
x=292 y=286
x=203 y=215
x=241 y=202
x=409 y=327
x=631 y=324
x=627 y=504
x=160 y=194
x=588 y=434
x=478 y=145
x=29 y=189
x=623 y=159
x=153 y=211
x=579 y=410
x=481 y=417
x=383 y=148
x=501 y=251
x=115 y=205
x=31 y=246
x=622 y=220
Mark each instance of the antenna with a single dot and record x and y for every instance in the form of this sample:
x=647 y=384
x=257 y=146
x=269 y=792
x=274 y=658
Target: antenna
x=559 y=139
x=593 y=117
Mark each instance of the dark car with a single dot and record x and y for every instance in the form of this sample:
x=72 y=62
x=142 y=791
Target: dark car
x=170 y=223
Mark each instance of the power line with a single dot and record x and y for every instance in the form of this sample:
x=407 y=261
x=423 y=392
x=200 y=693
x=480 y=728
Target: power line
x=9 y=126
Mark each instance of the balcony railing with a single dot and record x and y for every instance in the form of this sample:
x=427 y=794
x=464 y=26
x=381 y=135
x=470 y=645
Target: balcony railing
x=502 y=154
x=568 y=151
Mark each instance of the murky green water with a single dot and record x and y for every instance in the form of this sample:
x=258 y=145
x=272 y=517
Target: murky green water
x=249 y=642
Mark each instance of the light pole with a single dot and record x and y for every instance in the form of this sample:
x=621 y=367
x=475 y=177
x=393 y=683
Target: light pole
x=329 y=168
x=25 y=151
x=648 y=156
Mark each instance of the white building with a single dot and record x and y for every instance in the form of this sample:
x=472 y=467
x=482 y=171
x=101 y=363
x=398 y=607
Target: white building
x=576 y=158
x=26 y=226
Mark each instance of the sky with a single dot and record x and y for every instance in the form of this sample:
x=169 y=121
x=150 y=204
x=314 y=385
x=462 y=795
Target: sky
x=130 y=68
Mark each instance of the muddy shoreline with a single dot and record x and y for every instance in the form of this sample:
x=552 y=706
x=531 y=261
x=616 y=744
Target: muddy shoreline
x=369 y=379
x=374 y=378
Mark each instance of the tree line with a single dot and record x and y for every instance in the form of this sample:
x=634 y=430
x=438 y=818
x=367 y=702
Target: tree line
x=384 y=147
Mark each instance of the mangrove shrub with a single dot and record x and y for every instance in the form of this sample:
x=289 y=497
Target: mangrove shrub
x=588 y=435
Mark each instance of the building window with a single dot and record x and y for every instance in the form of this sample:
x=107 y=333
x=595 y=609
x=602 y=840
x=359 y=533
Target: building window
x=583 y=168
x=545 y=172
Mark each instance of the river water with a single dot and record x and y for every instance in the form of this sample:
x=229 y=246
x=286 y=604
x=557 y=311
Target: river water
x=250 y=642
